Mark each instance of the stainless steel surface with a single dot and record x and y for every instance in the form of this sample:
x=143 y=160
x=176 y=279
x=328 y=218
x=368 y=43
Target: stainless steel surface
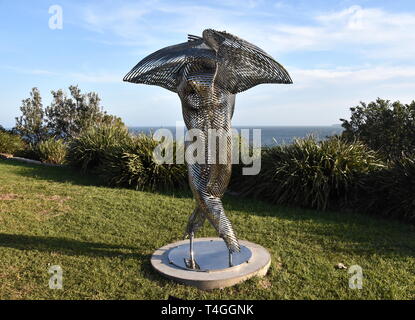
x=206 y=72
x=191 y=262
x=210 y=255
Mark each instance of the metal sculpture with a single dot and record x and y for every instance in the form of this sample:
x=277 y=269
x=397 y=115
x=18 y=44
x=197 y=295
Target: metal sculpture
x=206 y=72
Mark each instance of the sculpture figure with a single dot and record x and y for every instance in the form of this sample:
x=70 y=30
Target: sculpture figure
x=207 y=72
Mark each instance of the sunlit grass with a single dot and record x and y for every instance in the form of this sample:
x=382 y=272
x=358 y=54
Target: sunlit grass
x=103 y=239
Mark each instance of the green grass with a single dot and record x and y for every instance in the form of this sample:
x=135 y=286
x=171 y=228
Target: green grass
x=103 y=239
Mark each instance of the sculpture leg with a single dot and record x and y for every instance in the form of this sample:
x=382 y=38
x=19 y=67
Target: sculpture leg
x=191 y=262
x=216 y=215
x=195 y=222
x=208 y=185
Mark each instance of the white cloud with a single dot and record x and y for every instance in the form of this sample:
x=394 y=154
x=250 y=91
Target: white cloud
x=384 y=42
x=311 y=77
x=372 y=31
x=94 y=77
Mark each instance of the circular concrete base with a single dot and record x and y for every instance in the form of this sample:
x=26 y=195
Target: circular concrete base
x=257 y=265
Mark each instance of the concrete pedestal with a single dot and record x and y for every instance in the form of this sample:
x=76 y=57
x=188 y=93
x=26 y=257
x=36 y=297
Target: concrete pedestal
x=249 y=265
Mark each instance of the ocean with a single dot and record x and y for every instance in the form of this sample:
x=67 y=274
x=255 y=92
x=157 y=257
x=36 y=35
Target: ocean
x=271 y=135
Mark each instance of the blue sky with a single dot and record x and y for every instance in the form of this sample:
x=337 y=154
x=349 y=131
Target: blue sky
x=337 y=52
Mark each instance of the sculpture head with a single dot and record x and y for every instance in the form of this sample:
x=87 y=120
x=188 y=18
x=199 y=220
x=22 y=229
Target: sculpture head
x=208 y=70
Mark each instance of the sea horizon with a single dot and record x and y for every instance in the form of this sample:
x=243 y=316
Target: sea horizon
x=270 y=135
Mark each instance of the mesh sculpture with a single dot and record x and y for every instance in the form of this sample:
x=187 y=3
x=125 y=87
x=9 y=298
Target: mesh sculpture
x=206 y=72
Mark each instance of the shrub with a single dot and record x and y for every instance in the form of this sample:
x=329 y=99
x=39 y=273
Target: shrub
x=121 y=159
x=31 y=124
x=135 y=167
x=390 y=191
x=310 y=174
x=10 y=143
x=68 y=116
x=52 y=151
x=90 y=148
x=65 y=118
x=30 y=151
x=383 y=126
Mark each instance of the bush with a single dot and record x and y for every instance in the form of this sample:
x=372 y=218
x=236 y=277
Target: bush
x=121 y=159
x=90 y=148
x=52 y=151
x=31 y=124
x=386 y=127
x=68 y=116
x=29 y=152
x=10 y=143
x=135 y=168
x=310 y=174
x=390 y=191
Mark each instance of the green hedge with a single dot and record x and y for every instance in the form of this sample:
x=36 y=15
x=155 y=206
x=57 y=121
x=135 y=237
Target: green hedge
x=330 y=174
x=310 y=174
x=90 y=149
x=134 y=167
x=52 y=151
x=390 y=192
x=121 y=159
x=10 y=143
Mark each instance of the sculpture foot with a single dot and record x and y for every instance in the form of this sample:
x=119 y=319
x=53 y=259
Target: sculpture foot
x=191 y=262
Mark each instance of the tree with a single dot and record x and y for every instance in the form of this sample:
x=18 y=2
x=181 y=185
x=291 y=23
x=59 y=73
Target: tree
x=67 y=116
x=384 y=126
x=31 y=124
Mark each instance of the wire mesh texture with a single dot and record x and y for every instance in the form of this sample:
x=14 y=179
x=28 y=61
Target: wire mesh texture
x=207 y=72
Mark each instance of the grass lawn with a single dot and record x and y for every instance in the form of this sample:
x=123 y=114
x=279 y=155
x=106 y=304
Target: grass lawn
x=103 y=239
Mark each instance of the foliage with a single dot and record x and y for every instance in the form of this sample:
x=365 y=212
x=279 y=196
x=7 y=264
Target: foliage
x=10 y=143
x=383 y=126
x=30 y=151
x=390 y=191
x=65 y=118
x=53 y=151
x=90 y=149
x=134 y=167
x=68 y=117
x=31 y=124
x=310 y=174
x=121 y=159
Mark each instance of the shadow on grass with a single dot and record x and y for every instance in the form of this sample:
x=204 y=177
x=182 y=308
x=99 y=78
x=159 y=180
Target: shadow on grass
x=65 y=174
x=68 y=174
x=361 y=233
x=67 y=246
x=71 y=247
